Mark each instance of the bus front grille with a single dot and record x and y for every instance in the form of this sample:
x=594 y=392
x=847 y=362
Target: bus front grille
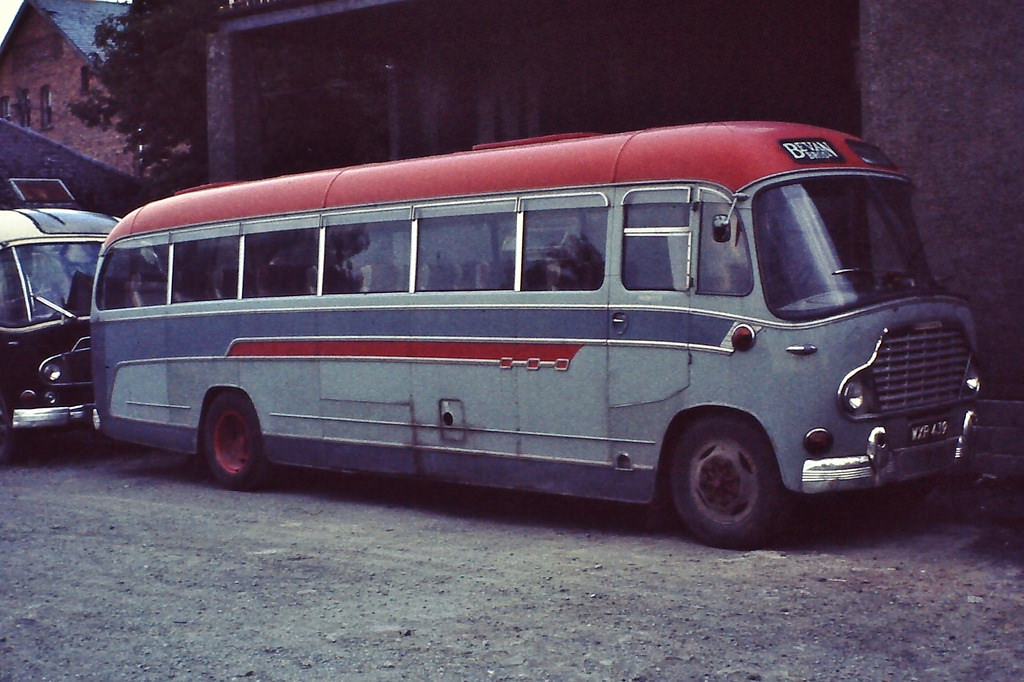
x=917 y=368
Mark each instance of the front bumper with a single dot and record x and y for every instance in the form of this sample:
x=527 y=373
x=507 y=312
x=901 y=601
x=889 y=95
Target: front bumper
x=46 y=417
x=880 y=464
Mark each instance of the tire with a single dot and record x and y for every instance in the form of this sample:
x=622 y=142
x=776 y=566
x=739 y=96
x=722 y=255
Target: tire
x=233 y=443
x=725 y=484
x=7 y=444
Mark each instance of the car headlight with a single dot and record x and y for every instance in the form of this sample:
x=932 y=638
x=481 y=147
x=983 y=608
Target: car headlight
x=856 y=395
x=52 y=371
x=972 y=380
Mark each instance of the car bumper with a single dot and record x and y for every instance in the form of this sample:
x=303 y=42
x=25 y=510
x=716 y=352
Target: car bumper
x=46 y=417
x=880 y=464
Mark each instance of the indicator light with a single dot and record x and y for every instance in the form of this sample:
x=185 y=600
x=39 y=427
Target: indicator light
x=743 y=337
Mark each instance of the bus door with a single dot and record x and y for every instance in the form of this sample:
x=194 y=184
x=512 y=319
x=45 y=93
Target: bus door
x=649 y=323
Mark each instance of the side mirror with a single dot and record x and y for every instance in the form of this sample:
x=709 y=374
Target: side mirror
x=721 y=228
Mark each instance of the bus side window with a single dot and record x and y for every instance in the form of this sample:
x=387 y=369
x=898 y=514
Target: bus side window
x=205 y=269
x=724 y=264
x=564 y=249
x=656 y=247
x=280 y=263
x=367 y=257
x=134 y=277
x=466 y=252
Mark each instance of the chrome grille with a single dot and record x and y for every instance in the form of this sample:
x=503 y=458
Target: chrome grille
x=916 y=368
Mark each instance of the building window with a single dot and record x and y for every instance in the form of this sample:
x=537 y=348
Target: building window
x=45 y=107
x=23 y=109
x=5 y=108
x=85 y=75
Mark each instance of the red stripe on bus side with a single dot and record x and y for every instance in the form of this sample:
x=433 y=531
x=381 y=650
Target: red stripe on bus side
x=433 y=350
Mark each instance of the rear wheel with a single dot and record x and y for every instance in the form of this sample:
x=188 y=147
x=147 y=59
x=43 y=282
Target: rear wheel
x=725 y=484
x=233 y=443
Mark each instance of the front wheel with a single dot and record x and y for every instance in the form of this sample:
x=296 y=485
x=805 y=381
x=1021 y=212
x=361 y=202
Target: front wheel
x=726 y=485
x=233 y=443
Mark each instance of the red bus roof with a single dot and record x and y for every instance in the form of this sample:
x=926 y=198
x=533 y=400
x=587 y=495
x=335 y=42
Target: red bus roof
x=732 y=155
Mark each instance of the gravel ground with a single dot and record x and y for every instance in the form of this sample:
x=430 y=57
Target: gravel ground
x=120 y=563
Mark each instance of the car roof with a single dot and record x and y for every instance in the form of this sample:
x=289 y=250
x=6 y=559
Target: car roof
x=29 y=223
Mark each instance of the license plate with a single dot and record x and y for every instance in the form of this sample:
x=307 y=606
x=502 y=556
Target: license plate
x=929 y=431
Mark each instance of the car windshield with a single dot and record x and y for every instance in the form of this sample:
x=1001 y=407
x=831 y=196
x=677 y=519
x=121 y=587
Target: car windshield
x=60 y=273
x=831 y=244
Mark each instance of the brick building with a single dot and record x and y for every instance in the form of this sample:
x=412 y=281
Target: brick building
x=45 y=64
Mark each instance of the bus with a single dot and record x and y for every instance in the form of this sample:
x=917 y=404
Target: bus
x=714 y=318
x=47 y=260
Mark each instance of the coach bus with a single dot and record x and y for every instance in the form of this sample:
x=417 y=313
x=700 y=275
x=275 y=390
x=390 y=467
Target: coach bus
x=721 y=314
x=47 y=261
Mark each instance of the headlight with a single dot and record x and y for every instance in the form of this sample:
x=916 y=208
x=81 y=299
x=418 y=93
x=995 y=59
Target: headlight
x=856 y=396
x=52 y=371
x=972 y=380
x=853 y=396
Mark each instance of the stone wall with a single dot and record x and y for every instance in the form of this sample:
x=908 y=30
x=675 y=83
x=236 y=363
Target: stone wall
x=942 y=90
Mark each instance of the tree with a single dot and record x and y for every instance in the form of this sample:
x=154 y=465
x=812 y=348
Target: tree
x=152 y=68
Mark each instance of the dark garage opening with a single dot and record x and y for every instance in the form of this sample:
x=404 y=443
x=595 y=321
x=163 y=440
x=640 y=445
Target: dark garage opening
x=423 y=77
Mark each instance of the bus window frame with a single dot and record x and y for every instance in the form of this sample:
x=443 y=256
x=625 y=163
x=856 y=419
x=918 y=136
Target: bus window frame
x=159 y=239
x=673 y=194
x=516 y=205
x=277 y=225
x=205 y=233
x=710 y=195
x=490 y=206
x=556 y=201
x=363 y=216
